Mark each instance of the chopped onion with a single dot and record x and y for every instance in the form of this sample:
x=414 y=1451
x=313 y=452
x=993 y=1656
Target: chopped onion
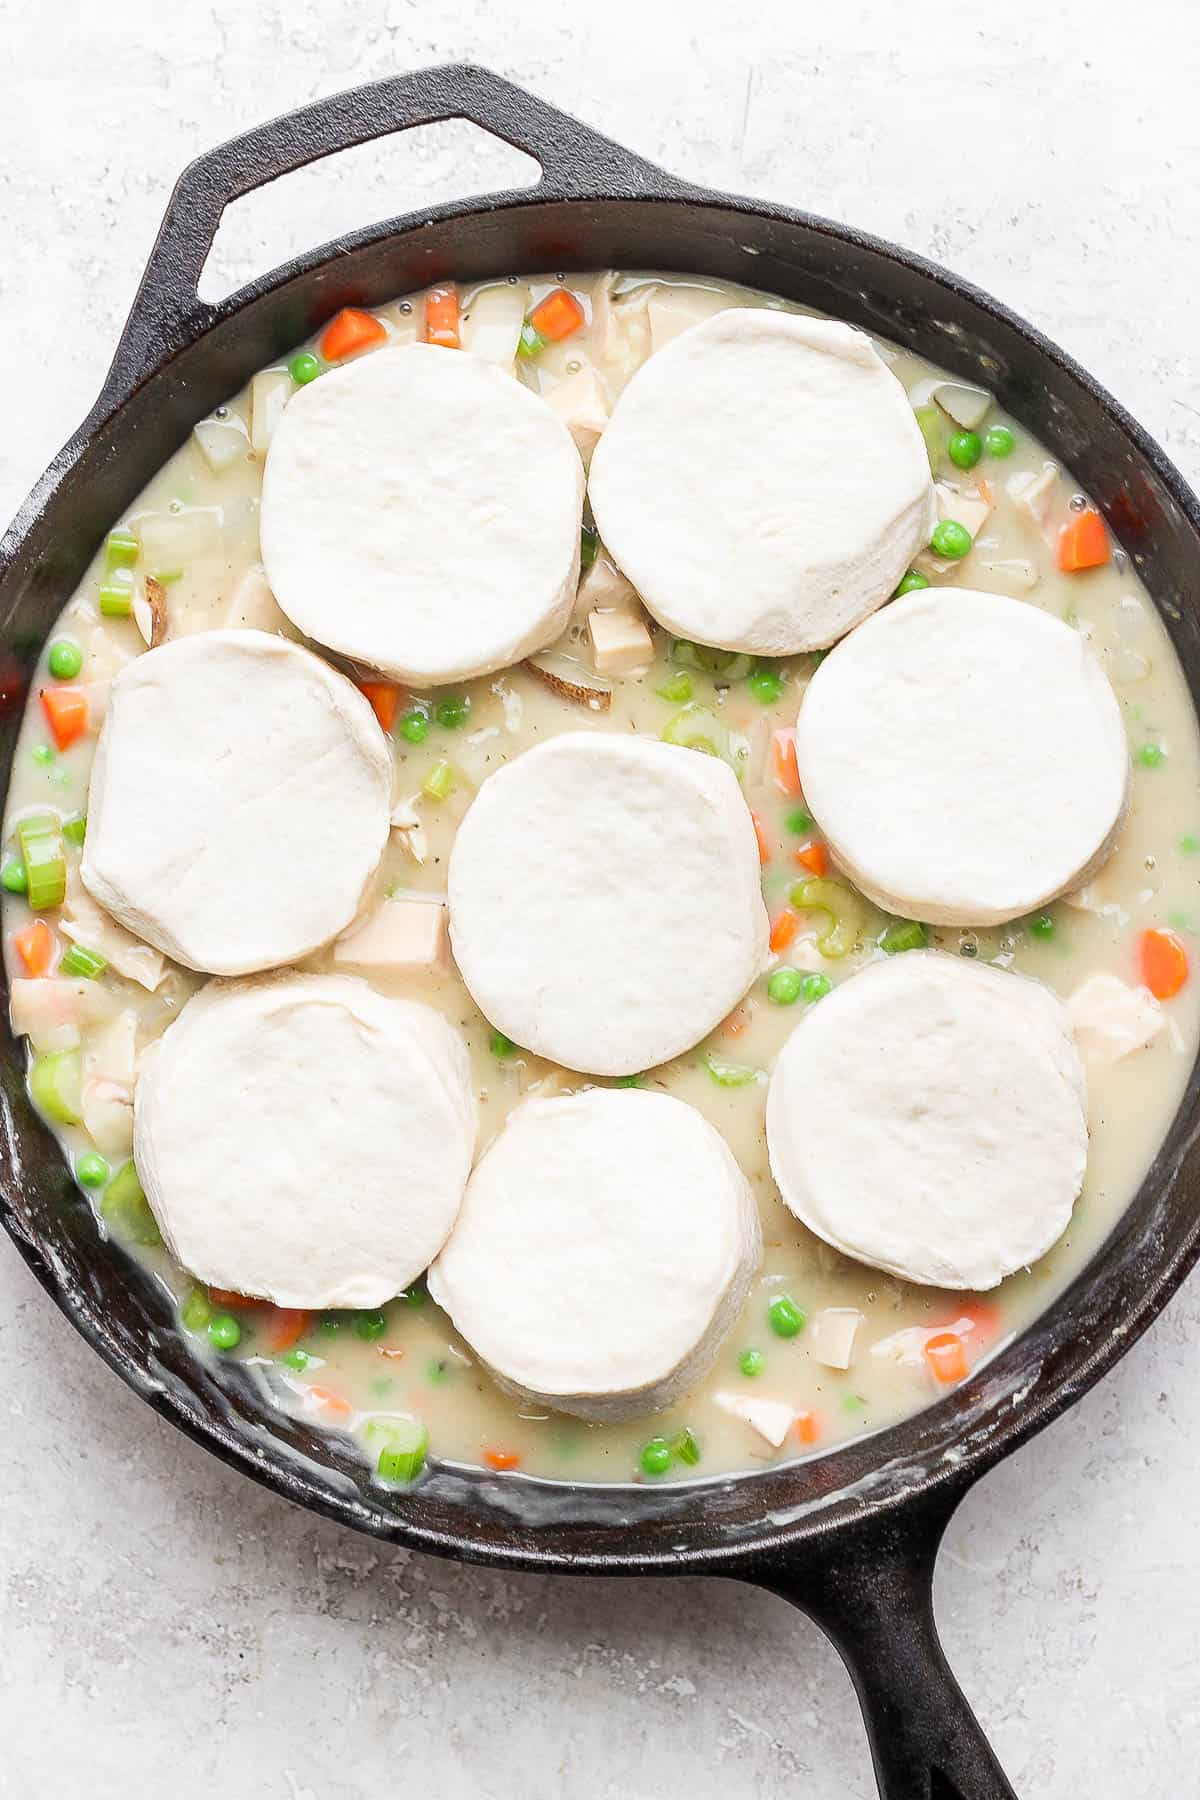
x=491 y=324
x=221 y=442
x=270 y=392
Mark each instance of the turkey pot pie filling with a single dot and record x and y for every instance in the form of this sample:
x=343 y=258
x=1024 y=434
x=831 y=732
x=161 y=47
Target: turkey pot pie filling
x=789 y=1344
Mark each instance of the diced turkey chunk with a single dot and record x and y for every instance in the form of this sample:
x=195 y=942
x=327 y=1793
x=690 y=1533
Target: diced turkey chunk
x=108 y=1075
x=400 y=935
x=53 y=1012
x=772 y=1419
x=406 y=823
x=620 y=642
x=620 y=332
x=1014 y=575
x=1033 y=494
x=675 y=309
x=905 y=1348
x=1110 y=1019
x=86 y=923
x=968 y=508
x=582 y=403
x=252 y=606
x=832 y=1334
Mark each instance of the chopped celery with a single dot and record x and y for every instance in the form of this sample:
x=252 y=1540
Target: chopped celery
x=40 y=838
x=846 y=913
x=127 y=1211
x=121 y=549
x=696 y=728
x=116 y=594
x=196 y=1311
x=730 y=665
x=439 y=781
x=589 y=544
x=904 y=934
x=686 y=1448
x=935 y=431
x=729 y=1075
x=677 y=688
x=531 y=343
x=75 y=830
x=81 y=961
x=56 y=1083
x=402 y=1446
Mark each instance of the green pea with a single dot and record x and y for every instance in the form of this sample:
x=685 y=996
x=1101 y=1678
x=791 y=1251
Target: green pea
x=43 y=754
x=752 y=1362
x=1042 y=925
x=950 y=539
x=501 y=1046
x=685 y=1447
x=783 y=987
x=436 y=1370
x=66 y=659
x=656 y=1457
x=13 y=877
x=304 y=368
x=628 y=1081
x=853 y=1403
x=910 y=583
x=1189 y=843
x=295 y=1359
x=965 y=449
x=196 y=1312
x=91 y=1170
x=784 y=1317
x=766 y=685
x=589 y=544
x=329 y=1327
x=1151 y=755
x=676 y=688
x=224 y=1332
x=451 y=714
x=798 y=823
x=998 y=440
x=414 y=726
x=415 y=1295
x=369 y=1325
x=814 y=987
x=904 y=934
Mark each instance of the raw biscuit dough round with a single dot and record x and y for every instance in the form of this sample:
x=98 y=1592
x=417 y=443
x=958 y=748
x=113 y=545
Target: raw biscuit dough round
x=305 y=1139
x=421 y=514
x=582 y=1278
x=929 y=1117
x=763 y=482
x=239 y=801
x=605 y=901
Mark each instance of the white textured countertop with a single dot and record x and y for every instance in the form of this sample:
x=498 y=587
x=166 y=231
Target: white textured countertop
x=167 y=1628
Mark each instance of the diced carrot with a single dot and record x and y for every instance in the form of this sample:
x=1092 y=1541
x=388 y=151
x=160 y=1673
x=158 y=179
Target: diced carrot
x=783 y=761
x=227 y=1297
x=35 y=947
x=330 y=1401
x=501 y=1459
x=441 y=318
x=764 y=842
x=985 y=490
x=1083 y=544
x=391 y=1352
x=558 y=315
x=784 y=929
x=283 y=1327
x=808 y=1427
x=981 y=1319
x=66 y=709
x=736 y=1023
x=815 y=858
x=1163 y=961
x=350 y=332
x=946 y=1356
x=385 y=698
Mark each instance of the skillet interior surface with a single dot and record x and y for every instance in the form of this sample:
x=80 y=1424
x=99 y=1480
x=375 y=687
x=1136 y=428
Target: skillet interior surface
x=179 y=359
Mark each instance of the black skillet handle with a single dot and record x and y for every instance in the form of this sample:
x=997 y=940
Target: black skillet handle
x=874 y=1600
x=167 y=314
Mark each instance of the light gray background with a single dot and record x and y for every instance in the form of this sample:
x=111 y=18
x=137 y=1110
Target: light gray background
x=166 y=1627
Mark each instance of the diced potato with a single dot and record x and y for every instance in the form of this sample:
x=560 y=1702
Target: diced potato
x=1014 y=575
x=772 y=1419
x=108 y=1077
x=172 y=541
x=221 y=442
x=491 y=324
x=400 y=935
x=620 y=642
x=581 y=402
x=252 y=606
x=966 y=405
x=1034 y=494
x=832 y=1334
x=270 y=392
x=1110 y=1019
x=53 y=1012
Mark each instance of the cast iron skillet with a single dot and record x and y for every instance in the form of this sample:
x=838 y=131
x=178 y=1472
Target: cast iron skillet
x=851 y=1536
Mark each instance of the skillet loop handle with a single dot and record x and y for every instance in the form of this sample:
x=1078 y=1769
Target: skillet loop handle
x=575 y=162
x=875 y=1602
